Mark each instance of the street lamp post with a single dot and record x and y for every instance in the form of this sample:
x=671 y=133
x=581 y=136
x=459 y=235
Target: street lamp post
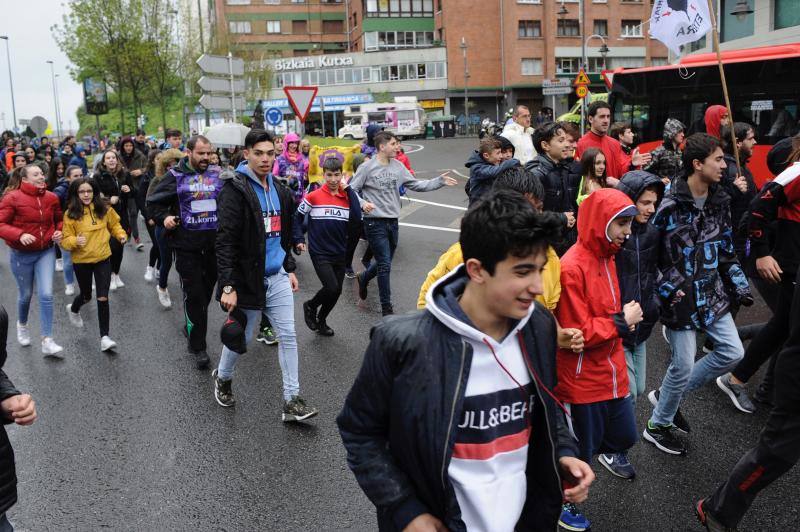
x=58 y=109
x=464 y=47
x=55 y=98
x=10 y=82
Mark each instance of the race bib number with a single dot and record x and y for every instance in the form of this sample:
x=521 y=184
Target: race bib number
x=206 y=205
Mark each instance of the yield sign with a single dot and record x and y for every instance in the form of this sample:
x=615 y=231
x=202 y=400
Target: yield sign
x=581 y=79
x=301 y=99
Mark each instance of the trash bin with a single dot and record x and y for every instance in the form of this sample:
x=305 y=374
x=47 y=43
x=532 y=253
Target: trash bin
x=429 y=130
x=444 y=126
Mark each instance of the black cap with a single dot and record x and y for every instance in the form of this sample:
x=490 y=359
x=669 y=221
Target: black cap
x=232 y=332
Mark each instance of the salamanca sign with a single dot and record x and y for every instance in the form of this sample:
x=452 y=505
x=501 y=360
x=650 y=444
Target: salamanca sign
x=312 y=62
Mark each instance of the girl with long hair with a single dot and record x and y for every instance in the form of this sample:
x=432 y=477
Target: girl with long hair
x=115 y=186
x=163 y=162
x=89 y=226
x=56 y=172
x=30 y=223
x=593 y=173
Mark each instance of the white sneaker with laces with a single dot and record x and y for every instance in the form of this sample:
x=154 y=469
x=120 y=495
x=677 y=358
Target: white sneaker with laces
x=74 y=317
x=148 y=274
x=59 y=265
x=107 y=344
x=51 y=349
x=23 y=335
x=113 y=285
x=69 y=289
x=163 y=297
x=120 y=284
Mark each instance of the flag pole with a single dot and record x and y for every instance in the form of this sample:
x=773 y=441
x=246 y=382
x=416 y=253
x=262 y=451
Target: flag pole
x=715 y=32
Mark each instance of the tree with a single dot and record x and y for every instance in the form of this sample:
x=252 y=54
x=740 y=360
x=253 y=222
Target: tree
x=163 y=64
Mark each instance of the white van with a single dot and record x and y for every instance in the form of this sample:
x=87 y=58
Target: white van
x=404 y=117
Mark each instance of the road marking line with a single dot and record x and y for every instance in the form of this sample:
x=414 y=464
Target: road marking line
x=458 y=173
x=432 y=228
x=419 y=147
x=446 y=206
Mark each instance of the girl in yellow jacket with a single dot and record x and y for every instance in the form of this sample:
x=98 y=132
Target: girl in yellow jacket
x=89 y=225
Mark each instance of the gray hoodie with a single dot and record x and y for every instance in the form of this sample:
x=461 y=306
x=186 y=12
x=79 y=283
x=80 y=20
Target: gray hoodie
x=380 y=185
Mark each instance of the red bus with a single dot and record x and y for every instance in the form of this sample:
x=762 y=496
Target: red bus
x=763 y=84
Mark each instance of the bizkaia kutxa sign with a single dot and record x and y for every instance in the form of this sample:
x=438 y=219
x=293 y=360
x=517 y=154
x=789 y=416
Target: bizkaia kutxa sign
x=322 y=61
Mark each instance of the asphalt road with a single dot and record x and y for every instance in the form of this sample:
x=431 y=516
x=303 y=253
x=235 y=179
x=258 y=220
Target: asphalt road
x=135 y=441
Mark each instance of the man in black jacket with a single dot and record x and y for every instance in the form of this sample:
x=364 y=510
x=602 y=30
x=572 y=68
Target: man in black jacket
x=184 y=202
x=457 y=398
x=15 y=407
x=256 y=267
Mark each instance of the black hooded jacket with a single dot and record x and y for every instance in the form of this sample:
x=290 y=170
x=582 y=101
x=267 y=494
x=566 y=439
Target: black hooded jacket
x=399 y=420
x=561 y=181
x=8 y=476
x=241 y=240
x=637 y=261
x=740 y=201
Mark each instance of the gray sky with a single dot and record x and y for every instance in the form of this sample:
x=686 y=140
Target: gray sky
x=32 y=44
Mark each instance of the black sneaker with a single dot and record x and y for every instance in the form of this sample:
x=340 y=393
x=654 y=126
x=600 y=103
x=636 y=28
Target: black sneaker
x=310 y=315
x=324 y=330
x=387 y=310
x=665 y=439
x=297 y=410
x=223 y=392
x=678 y=420
x=267 y=336
x=736 y=392
x=201 y=360
x=362 y=286
x=708 y=520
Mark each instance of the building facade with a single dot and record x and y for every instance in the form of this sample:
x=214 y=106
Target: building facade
x=500 y=51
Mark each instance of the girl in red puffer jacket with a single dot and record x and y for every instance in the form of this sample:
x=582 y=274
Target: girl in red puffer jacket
x=30 y=223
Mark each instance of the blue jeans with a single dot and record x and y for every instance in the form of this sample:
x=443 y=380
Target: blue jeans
x=69 y=273
x=382 y=235
x=28 y=266
x=636 y=360
x=5 y=525
x=685 y=375
x=280 y=311
x=165 y=252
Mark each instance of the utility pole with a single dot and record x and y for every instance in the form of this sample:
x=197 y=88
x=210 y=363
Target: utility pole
x=464 y=47
x=202 y=50
x=11 y=82
x=55 y=98
x=58 y=109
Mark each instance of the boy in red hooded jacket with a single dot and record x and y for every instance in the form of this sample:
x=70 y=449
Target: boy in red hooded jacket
x=594 y=383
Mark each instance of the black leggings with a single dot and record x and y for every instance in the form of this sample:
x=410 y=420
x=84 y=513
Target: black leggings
x=117 y=249
x=155 y=258
x=331 y=274
x=102 y=279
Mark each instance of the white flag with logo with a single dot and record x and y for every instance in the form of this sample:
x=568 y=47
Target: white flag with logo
x=679 y=22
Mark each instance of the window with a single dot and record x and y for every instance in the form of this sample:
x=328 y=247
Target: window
x=239 y=27
x=393 y=40
x=568 y=28
x=238 y=2
x=786 y=14
x=399 y=8
x=271 y=2
x=371 y=41
x=631 y=28
x=273 y=26
x=529 y=1
x=529 y=29
x=600 y=27
x=531 y=67
x=625 y=62
x=697 y=45
x=567 y=65
x=597 y=64
x=332 y=26
x=659 y=61
x=732 y=27
x=299 y=27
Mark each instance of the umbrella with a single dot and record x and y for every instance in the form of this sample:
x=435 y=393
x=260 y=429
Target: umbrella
x=227 y=135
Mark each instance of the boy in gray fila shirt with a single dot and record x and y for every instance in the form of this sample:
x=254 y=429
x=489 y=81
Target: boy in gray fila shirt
x=377 y=183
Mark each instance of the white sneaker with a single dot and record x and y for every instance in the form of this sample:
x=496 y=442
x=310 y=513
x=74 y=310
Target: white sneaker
x=69 y=289
x=113 y=285
x=120 y=284
x=23 y=335
x=59 y=265
x=107 y=344
x=148 y=274
x=51 y=349
x=163 y=297
x=158 y=274
x=74 y=317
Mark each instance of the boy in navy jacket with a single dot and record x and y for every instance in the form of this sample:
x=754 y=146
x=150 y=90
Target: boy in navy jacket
x=485 y=164
x=332 y=210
